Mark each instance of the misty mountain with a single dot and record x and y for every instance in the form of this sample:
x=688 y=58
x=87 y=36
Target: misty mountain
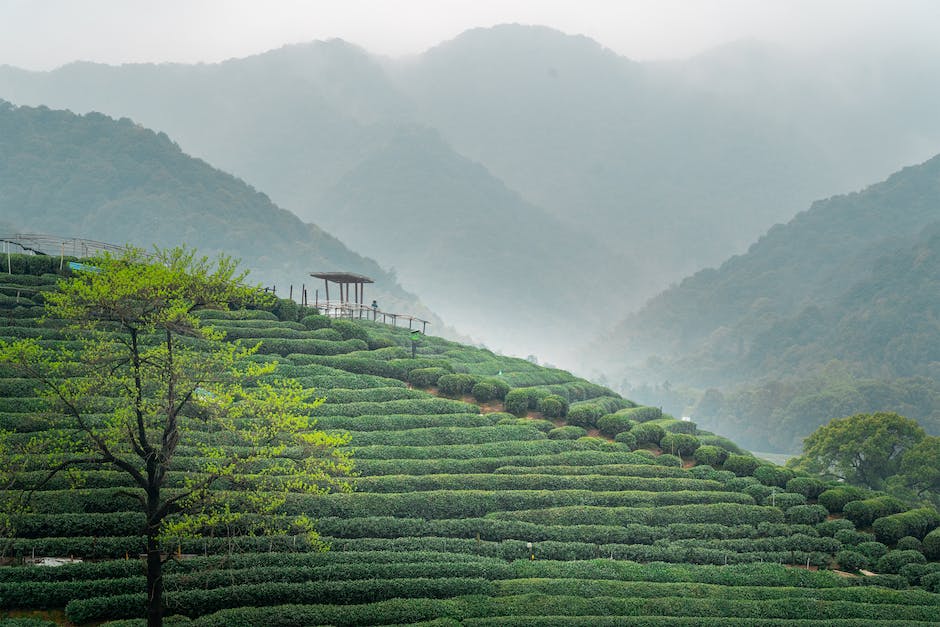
x=671 y=166
x=488 y=261
x=699 y=156
x=847 y=290
x=113 y=180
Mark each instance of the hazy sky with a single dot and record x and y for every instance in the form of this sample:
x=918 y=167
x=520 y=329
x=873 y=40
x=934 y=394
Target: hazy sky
x=42 y=34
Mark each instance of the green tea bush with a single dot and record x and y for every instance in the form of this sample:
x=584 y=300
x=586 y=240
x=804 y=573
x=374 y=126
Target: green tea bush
x=520 y=400
x=872 y=550
x=425 y=377
x=850 y=537
x=810 y=487
x=584 y=415
x=490 y=390
x=773 y=475
x=287 y=346
x=835 y=499
x=832 y=527
x=682 y=426
x=851 y=560
x=784 y=500
x=667 y=459
x=553 y=406
x=286 y=309
x=932 y=544
x=741 y=465
x=642 y=414
x=648 y=433
x=806 y=514
x=681 y=444
x=612 y=424
x=711 y=455
x=916 y=522
x=456 y=384
x=759 y=492
x=350 y=330
x=569 y=432
x=315 y=321
x=931 y=582
x=893 y=561
x=863 y=513
x=626 y=438
x=910 y=543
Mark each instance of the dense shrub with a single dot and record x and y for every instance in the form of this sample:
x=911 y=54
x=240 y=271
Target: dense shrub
x=863 y=513
x=553 y=406
x=784 y=500
x=682 y=426
x=626 y=438
x=832 y=527
x=647 y=433
x=425 y=377
x=851 y=537
x=741 y=465
x=489 y=390
x=872 y=550
x=569 y=432
x=315 y=321
x=810 y=487
x=893 y=561
x=350 y=330
x=289 y=346
x=851 y=560
x=711 y=455
x=916 y=522
x=642 y=414
x=806 y=514
x=456 y=384
x=681 y=444
x=932 y=544
x=584 y=415
x=910 y=543
x=612 y=424
x=286 y=309
x=759 y=492
x=835 y=499
x=773 y=475
x=667 y=459
x=520 y=400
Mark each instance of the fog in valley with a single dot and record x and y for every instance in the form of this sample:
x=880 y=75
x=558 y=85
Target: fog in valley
x=703 y=205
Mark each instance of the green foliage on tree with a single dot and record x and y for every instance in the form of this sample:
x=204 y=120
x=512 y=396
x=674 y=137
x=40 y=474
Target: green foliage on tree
x=920 y=469
x=171 y=382
x=864 y=449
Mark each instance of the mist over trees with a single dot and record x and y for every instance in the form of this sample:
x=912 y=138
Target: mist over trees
x=656 y=168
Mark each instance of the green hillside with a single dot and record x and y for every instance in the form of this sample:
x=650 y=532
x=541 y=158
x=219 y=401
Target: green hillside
x=113 y=180
x=463 y=513
x=835 y=311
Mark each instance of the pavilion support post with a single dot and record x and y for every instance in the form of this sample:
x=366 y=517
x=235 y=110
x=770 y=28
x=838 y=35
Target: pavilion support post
x=327 y=284
x=424 y=326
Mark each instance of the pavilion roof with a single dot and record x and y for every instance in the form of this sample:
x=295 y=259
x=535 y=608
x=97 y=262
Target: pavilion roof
x=342 y=277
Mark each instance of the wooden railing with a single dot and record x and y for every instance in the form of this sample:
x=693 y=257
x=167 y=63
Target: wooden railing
x=337 y=309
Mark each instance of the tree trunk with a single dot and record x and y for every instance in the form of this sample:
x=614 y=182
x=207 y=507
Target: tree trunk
x=154 y=582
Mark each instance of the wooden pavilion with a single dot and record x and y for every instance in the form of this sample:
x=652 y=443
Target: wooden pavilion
x=344 y=280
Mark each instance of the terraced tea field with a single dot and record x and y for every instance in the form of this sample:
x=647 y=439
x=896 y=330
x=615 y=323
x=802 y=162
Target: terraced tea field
x=463 y=513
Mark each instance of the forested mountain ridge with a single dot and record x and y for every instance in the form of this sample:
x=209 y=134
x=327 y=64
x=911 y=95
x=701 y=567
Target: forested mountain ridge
x=464 y=230
x=672 y=165
x=833 y=313
x=113 y=180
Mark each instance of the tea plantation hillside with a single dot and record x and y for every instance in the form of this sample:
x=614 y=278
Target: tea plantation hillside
x=574 y=507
